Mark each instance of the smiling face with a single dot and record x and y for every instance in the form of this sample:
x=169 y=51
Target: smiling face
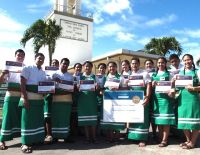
x=148 y=65
x=78 y=68
x=175 y=62
x=125 y=66
x=19 y=56
x=188 y=61
x=88 y=68
x=102 y=69
x=39 y=60
x=112 y=68
x=161 y=64
x=64 y=66
x=135 y=65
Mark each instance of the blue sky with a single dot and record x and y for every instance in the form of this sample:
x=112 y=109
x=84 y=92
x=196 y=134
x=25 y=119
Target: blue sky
x=128 y=24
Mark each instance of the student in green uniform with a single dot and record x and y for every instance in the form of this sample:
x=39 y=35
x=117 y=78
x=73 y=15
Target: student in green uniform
x=140 y=131
x=189 y=105
x=163 y=113
x=47 y=111
x=112 y=127
x=62 y=102
x=32 y=121
x=11 y=112
x=87 y=105
x=149 y=68
x=101 y=78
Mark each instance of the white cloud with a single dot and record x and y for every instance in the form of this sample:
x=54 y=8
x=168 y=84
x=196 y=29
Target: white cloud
x=161 y=21
x=143 y=41
x=107 y=30
x=110 y=7
x=116 y=6
x=188 y=33
x=121 y=36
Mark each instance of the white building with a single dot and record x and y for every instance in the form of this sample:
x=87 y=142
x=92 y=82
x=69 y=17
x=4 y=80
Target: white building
x=77 y=33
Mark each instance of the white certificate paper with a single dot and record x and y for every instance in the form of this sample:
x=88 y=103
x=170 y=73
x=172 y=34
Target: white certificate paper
x=112 y=83
x=66 y=85
x=136 y=81
x=163 y=87
x=15 y=67
x=46 y=87
x=50 y=70
x=123 y=106
x=183 y=80
x=87 y=85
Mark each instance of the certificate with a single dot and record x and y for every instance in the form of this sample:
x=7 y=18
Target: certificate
x=136 y=81
x=15 y=67
x=87 y=85
x=46 y=87
x=183 y=80
x=112 y=83
x=123 y=106
x=66 y=85
x=163 y=86
x=50 y=70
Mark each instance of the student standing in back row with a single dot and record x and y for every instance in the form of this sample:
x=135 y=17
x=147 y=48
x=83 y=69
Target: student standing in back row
x=11 y=122
x=189 y=105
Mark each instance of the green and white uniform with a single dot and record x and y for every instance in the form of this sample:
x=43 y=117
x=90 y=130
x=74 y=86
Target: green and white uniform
x=140 y=131
x=117 y=126
x=61 y=108
x=189 y=105
x=32 y=127
x=87 y=104
x=163 y=113
x=11 y=120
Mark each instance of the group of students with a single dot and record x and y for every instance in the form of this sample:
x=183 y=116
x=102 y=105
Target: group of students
x=25 y=110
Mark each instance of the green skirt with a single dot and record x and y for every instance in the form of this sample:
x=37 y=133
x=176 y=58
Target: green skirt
x=32 y=127
x=11 y=121
x=189 y=110
x=87 y=108
x=140 y=131
x=163 y=112
x=61 y=113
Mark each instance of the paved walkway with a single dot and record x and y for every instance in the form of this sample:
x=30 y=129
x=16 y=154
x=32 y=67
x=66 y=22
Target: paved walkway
x=124 y=147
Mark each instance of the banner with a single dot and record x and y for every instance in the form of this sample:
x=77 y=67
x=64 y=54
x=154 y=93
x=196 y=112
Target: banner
x=123 y=106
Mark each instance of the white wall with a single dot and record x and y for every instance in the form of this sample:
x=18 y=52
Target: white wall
x=75 y=50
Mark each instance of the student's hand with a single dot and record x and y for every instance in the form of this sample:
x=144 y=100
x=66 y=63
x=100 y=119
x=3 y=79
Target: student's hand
x=26 y=104
x=57 y=80
x=154 y=83
x=113 y=88
x=190 y=88
x=146 y=101
x=4 y=72
x=171 y=93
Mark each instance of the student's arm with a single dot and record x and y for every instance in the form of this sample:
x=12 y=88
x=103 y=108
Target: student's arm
x=24 y=93
x=2 y=75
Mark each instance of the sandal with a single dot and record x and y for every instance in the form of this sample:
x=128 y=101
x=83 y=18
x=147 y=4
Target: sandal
x=163 y=144
x=26 y=149
x=142 y=144
x=48 y=139
x=3 y=146
x=188 y=146
x=184 y=144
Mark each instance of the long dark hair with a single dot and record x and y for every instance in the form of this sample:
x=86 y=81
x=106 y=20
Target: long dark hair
x=191 y=57
x=111 y=62
x=128 y=63
x=165 y=60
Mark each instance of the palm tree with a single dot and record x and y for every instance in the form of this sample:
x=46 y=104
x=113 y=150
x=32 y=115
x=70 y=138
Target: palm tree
x=43 y=33
x=163 y=46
